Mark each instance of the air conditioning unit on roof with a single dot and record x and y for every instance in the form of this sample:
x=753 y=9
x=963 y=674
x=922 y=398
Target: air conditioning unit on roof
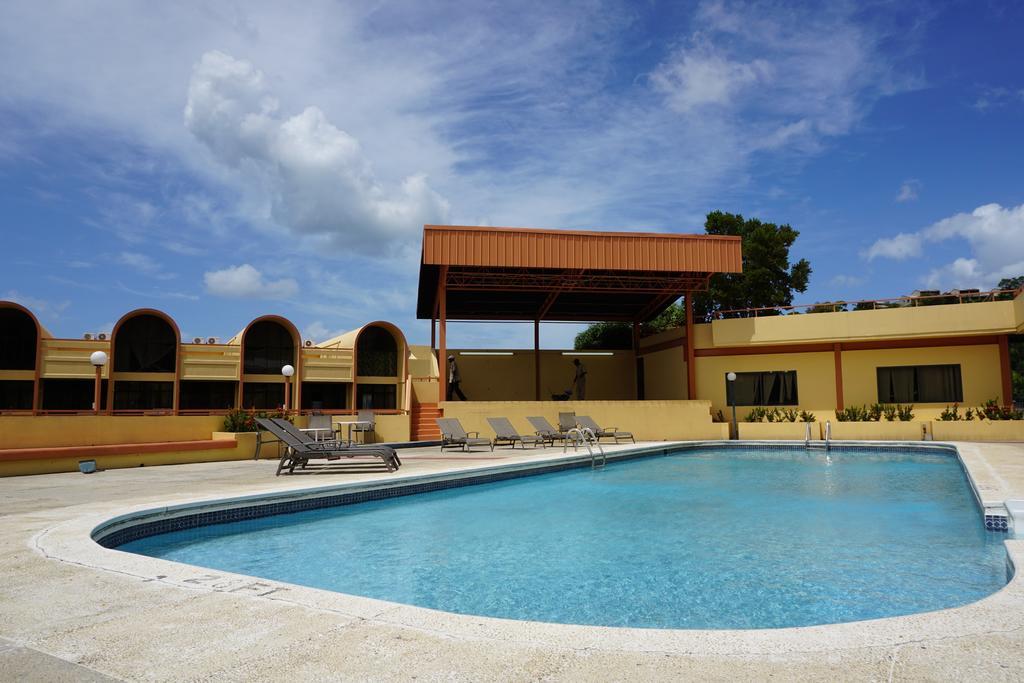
x=212 y=340
x=87 y=336
x=308 y=343
x=101 y=336
x=197 y=340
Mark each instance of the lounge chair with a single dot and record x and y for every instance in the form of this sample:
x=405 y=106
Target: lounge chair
x=612 y=432
x=505 y=433
x=567 y=421
x=300 y=451
x=546 y=430
x=452 y=434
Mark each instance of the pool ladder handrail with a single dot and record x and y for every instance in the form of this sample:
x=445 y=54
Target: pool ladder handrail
x=807 y=435
x=585 y=436
x=828 y=435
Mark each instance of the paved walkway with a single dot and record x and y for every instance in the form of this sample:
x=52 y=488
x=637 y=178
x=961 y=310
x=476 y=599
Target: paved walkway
x=70 y=610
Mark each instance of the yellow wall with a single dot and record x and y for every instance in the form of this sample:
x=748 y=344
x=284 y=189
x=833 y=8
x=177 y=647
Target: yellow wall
x=326 y=365
x=243 y=450
x=815 y=379
x=894 y=323
x=209 y=361
x=42 y=431
x=979 y=370
x=69 y=358
x=511 y=378
x=648 y=420
x=978 y=431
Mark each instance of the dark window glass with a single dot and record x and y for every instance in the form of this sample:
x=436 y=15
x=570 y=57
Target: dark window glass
x=775 y=388
x=16 y=394
x=143 y=395
x=380 y=396
x=377 y=353
x=145 y=343
x=920 y=384
x=204 y=395
x=325 y=395
x=17 y=340
x=71 y=394
x=268 y=348
x=263 y=395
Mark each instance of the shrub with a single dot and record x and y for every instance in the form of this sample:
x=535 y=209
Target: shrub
x=950 y=414
x=806 y=416
x=757 y=414
x=241 y=420
x=875 y=413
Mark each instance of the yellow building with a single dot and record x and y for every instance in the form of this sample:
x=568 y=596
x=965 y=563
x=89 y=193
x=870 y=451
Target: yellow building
x=156 y=387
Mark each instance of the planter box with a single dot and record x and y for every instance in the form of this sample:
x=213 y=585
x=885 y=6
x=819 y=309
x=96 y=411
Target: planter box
x=1000 y=430
x=771 y=431
x=878 y=431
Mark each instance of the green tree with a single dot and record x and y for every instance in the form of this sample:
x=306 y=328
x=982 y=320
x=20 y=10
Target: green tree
x=605 y=337
x=1011 y=282
x=768 y=278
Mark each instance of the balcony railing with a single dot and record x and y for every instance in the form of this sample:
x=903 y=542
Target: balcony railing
x=958 y=297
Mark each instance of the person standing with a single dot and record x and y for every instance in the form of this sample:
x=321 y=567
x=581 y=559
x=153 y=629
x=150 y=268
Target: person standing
x=454 y=380
x=580 y=379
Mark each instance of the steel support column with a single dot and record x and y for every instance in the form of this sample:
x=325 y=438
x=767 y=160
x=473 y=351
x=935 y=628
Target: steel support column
x=442 y=355
x=1005 y=371
x=837 y=350
x=691 y=370
x=536 y=360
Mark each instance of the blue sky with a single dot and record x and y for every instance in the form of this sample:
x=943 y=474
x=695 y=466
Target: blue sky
x=227 y=161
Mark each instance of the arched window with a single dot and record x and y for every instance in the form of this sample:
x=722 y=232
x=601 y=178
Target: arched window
x=269 y=346
x=145 y=343
x=17 y=340
x=377 y=353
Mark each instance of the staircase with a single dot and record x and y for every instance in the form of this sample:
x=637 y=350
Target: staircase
x=422 y=425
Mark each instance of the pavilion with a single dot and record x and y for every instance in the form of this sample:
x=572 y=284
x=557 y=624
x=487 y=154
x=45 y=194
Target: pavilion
x=520 y=274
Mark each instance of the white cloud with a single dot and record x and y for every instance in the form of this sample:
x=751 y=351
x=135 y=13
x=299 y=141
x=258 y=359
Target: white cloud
x=695 y=77
x=994 y=234
x=315 y=176
x=144 y=264
x=41 y=307
x=842 y=280
x=909 y=190
x=244 y=281
x=902 y=246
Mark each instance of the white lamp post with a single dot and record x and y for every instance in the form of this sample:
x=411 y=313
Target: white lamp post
x=287 y=371
x=730 y=390
x=98 y=360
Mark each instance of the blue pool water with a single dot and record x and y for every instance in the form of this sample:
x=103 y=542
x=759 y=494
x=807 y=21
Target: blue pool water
x=716 y=538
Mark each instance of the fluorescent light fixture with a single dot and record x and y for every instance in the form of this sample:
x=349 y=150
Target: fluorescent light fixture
x=485 y=353
x=588 y=353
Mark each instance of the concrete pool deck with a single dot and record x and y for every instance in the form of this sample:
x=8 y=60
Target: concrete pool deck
x=72 y=610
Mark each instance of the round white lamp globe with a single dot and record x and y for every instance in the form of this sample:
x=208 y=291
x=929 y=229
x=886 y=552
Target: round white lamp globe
x=287 y=371
x=731 y=377
x=98 y=358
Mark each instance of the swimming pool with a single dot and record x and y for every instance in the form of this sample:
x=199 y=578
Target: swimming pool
x=702 y=538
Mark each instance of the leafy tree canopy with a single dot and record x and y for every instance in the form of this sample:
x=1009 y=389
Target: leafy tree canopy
x=1011 y=282
x=768 y=279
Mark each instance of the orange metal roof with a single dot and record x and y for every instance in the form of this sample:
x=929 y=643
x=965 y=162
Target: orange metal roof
x=459 y=245
x=528 y=274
